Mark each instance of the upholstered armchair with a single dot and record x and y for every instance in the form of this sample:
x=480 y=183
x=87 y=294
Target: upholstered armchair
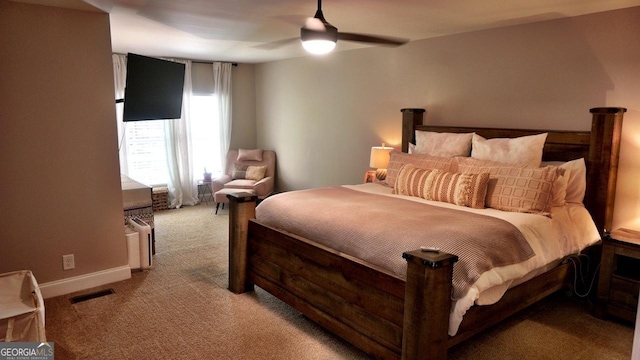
x=246 y=170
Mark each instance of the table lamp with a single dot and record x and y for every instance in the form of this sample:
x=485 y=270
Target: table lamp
x=379 y=160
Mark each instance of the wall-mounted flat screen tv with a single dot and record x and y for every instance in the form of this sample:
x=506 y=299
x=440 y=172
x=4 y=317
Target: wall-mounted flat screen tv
x=153 y=89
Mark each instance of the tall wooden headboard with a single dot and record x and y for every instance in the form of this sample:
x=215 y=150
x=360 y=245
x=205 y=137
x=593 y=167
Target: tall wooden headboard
x=600 y=148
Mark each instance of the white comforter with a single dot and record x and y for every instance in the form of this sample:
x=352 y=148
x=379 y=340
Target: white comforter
x=568 y=230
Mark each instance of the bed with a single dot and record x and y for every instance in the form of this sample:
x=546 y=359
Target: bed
x=409 y=315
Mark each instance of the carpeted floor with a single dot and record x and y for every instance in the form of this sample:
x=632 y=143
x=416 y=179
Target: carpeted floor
x=181 y=309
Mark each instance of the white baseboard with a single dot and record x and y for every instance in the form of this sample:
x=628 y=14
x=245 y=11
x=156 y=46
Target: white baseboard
x=86 y=281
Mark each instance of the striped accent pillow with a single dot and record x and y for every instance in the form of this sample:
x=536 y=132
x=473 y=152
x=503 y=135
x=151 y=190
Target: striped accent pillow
x=413 y=181
x=460 y=189
x=398 y=159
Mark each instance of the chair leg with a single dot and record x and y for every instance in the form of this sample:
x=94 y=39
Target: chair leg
x=217 y=205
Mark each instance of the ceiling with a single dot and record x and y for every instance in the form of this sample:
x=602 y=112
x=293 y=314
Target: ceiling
x=255 y=31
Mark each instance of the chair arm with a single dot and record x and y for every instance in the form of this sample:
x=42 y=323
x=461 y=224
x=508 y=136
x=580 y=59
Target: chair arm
x=218 y=183
x=264 y=187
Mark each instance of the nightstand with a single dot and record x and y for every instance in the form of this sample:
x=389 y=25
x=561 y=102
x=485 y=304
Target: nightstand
x=619 y=281
x=369 y=176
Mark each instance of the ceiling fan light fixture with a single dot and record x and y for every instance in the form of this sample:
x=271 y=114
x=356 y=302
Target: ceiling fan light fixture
x=319 y=42
x=319 y=47
x=319 y=37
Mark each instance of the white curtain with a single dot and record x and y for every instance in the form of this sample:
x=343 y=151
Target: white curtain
x=181 y=184
x=120 y=80
x=222 y=89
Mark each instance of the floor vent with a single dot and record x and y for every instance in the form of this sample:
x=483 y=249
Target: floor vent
x=97 y=294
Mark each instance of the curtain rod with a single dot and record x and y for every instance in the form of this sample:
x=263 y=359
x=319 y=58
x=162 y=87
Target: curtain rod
x=211 y=62
x=200 y=61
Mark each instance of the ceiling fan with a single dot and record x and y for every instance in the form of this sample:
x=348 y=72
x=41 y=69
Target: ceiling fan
x=320 y=37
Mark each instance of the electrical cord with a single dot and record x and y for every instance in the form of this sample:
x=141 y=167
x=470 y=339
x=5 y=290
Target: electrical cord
x=578 y=269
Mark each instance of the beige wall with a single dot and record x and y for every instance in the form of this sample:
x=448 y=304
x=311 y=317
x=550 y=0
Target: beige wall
x=322 y=114
x=243 y=130
x=60 y=181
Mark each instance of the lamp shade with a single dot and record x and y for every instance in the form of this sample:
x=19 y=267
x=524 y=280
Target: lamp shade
x=379 y=157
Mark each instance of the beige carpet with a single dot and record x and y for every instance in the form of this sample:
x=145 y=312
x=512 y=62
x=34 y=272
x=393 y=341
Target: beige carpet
x=181 y=309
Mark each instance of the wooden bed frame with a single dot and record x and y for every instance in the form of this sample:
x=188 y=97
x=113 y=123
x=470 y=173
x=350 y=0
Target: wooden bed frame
x=388 y=316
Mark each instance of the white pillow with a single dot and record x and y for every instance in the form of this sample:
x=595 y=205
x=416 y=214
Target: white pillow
x=577 y=182
x=443 y=144
x=573 y=182
x=526 y=150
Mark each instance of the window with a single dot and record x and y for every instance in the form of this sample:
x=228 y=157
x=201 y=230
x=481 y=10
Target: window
x=145 y=144
x=205 y=132
x=146 y=155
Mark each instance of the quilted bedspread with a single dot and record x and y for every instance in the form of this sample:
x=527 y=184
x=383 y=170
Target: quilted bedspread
x=378 y=229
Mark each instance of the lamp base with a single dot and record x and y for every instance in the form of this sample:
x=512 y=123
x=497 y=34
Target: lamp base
x=381 y=174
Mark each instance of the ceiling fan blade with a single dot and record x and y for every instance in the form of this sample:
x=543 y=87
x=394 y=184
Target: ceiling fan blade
x=295 y=20
x=371 y=39
x=277 y=44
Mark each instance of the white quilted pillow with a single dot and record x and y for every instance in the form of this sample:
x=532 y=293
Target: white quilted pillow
x=526 y=150
x=443 y=144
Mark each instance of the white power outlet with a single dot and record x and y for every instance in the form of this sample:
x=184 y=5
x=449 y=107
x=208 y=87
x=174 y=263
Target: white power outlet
x=68 y=262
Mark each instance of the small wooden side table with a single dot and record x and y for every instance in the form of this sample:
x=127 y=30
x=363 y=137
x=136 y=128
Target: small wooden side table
x=619 y=282
x=369 y=176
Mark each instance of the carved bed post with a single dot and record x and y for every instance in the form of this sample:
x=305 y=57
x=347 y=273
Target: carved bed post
x=603 y=154
x=427 y=304
x=242 y=208
x=410 y=118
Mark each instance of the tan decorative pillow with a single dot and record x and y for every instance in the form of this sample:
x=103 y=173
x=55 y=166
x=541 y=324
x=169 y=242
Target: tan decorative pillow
x=460 y=189
x=559 y=192
x=255 y=172
x=525 y=150
x=423 y=161
x=443 y=144
x=250 y=155
x=515 y=188
x=413 y=181
x=239 y=171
